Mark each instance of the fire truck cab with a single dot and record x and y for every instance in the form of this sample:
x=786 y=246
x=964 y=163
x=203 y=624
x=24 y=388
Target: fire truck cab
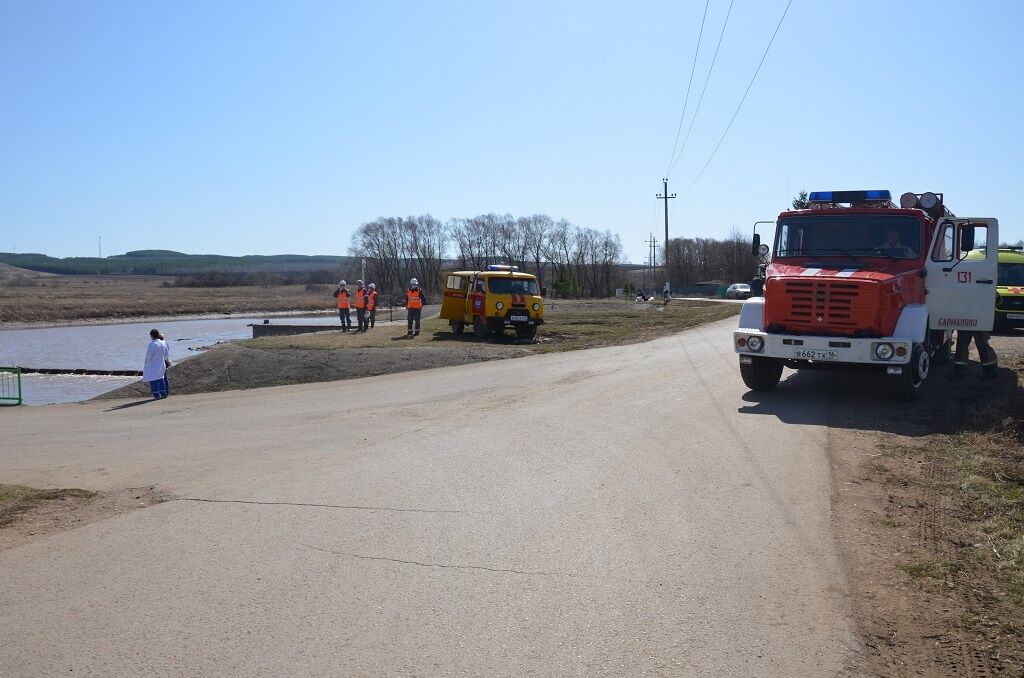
x=857 y=282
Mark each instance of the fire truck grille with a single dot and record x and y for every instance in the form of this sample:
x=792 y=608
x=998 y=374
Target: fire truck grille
x=823 y=303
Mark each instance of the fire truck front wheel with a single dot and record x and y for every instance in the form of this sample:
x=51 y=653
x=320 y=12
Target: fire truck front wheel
x=761 y=374
x=458 y=327
x=909 y=383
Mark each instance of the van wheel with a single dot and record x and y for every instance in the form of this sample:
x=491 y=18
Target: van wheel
x=762 y=374
x=909 y=384
x=528 y=332
x=480 y=328
x=458 y=327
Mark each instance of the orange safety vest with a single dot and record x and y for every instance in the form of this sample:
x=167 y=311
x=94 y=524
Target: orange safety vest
x=361 y=298
x=371 y=300
x=343 y=296
x=413 y=299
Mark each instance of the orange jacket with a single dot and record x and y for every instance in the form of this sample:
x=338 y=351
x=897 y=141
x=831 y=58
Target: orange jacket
x=414 y=298
x=361 y=298
x=371 y=300
x=343 y=298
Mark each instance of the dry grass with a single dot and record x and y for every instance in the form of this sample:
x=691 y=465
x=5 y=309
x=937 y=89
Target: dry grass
x=570 y=326
x=67 y=298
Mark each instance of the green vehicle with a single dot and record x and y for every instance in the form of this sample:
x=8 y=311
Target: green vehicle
x=1010 y=288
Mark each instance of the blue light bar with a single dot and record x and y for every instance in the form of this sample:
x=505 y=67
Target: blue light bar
x=850 y=196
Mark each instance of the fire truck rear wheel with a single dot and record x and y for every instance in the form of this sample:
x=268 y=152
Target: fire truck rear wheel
x=458 y=327
x=762 y=374
x=909 y=384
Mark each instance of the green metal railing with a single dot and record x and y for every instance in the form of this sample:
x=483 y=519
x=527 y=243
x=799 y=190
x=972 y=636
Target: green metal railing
x=10 y=385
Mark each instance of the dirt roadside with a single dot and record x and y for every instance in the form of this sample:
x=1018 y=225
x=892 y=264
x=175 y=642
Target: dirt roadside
x=929 y=511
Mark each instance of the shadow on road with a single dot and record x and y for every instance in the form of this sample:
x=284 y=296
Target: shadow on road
x=125 y=406
x=858 y=401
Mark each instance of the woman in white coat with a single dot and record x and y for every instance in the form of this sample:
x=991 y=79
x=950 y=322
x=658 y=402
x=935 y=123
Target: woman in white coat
x=154 y=370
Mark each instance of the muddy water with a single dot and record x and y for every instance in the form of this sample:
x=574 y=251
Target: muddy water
x=113 y=347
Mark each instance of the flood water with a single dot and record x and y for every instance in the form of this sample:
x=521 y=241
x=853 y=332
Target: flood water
x=119 y=346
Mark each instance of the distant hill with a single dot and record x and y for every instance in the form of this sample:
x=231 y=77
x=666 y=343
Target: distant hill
x=168 y=262
x=8 y=272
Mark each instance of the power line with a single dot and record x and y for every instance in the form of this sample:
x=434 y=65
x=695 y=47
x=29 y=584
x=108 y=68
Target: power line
x=744 y=98
x=686 y=99
x=700 y=100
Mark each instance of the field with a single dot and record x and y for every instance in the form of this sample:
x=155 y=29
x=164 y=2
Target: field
x=40 y=298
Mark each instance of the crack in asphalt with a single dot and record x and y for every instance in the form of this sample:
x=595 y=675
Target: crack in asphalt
x=451 y=566
x=336 y=506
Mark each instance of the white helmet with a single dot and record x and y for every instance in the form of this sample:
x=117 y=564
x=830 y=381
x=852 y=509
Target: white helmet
x=373 y=286
x=414 y=282
x=341 y=283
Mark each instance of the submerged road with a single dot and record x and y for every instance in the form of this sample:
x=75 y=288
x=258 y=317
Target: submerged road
x=619 y=511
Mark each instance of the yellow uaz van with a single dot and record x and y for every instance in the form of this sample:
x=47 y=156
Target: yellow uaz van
x=491 y=301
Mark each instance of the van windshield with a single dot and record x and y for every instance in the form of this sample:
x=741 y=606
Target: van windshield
x=851 y=235
x=1011 y=274
x=512 y=285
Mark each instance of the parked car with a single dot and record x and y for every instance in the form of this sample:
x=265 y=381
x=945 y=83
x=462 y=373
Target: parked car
x=738 y=291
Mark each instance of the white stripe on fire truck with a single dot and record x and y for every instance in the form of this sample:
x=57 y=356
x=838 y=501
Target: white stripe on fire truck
x=810 y=271
x=846 y=272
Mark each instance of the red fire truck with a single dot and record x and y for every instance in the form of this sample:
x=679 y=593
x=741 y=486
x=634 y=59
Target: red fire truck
x=857 y=282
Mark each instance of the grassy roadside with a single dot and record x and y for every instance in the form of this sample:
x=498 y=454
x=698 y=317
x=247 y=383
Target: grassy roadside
x=15 y=500
x=570 y=326
x=930 y=519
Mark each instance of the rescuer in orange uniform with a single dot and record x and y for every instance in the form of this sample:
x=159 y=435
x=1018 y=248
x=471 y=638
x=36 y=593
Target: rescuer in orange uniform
x=360 y=303
x=344 y=302
x=371 y=303
x=414 y=303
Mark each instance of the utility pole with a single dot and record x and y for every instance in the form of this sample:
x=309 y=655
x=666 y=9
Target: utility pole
x=99 y=245
x=666 y=197
x=652 y=248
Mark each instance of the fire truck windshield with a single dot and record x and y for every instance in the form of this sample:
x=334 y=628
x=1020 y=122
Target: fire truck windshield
x=851 y=235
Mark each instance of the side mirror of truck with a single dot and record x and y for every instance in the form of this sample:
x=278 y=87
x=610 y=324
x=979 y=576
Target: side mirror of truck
x=967 y=238
x=757 y=244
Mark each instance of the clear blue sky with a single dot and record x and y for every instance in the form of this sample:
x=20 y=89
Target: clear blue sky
x=256 y=128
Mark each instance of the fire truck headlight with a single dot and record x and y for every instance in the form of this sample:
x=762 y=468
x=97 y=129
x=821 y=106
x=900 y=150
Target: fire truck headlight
x=764 y=249
x=499 y=305
x=883 y=351
x=908 y=200
x=536 y=307
x=755 y=343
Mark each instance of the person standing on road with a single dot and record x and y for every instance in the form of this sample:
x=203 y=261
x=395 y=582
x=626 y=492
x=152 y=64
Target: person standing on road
x=371 y=303
x=154 y=368
x=987 y=355
x=414 y=303
x=360 y=303
x=344 y=302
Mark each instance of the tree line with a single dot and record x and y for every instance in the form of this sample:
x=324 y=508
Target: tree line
x=569 y=260
x=696 y=260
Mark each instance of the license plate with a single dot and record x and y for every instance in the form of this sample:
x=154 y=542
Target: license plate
x=809 y=354
x=519 y=318
x=1015 y=316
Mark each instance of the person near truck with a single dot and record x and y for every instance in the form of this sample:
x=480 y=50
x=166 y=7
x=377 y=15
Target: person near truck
x=360 y=304
x=414 y=303
x=344 y=298
x=987 y=355
x=371 y=304
x=154 y=368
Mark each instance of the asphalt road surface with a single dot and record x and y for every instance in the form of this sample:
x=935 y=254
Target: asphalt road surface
x=619 y=511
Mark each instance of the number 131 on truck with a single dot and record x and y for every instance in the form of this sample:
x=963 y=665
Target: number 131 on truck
x=857 y=282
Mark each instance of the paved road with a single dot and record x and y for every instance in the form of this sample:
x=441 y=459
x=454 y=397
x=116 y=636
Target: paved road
x=620 y=511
